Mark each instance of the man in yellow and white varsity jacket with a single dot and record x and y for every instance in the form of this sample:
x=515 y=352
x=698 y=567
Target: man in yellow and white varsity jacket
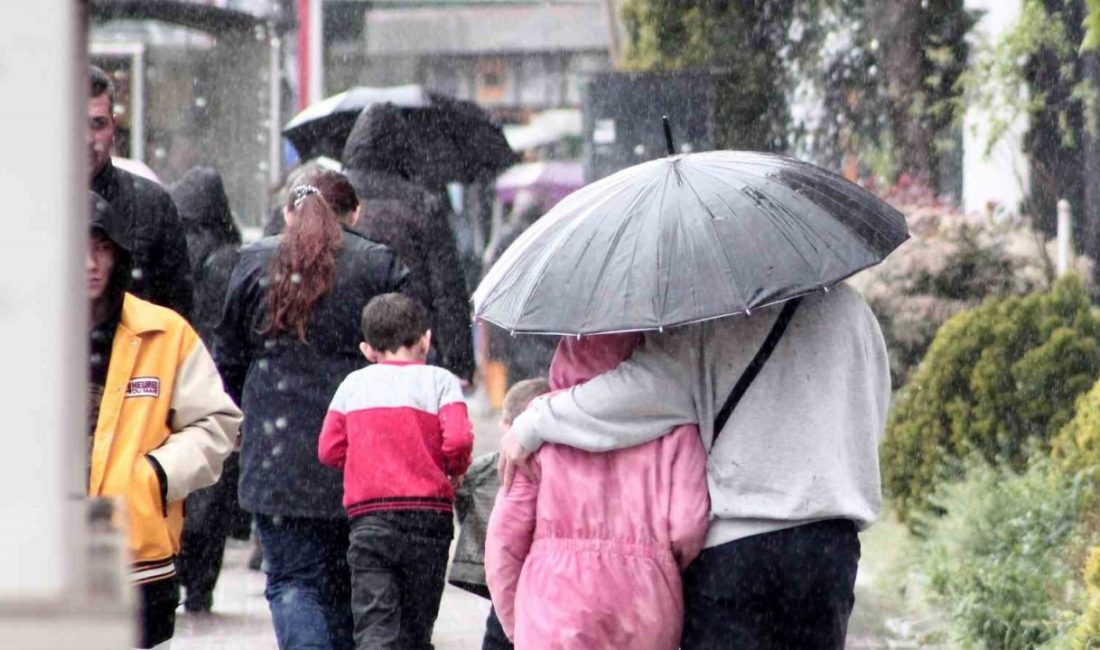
x=160 y=422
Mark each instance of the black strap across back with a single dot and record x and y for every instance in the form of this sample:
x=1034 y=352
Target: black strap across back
x=754 y=367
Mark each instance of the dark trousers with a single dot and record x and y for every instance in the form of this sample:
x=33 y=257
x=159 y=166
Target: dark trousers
x=495 y=638
x=308 y=587
x=792 y=589
x=398 y=563
x=211 y=515
x=157 y=602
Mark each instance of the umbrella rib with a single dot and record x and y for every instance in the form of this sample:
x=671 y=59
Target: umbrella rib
x=535 y=275
x=790 y=220
x=608 y=253
x=730 y=276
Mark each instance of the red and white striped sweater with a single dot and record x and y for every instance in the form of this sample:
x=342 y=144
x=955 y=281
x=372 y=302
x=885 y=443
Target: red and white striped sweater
x=398 y=430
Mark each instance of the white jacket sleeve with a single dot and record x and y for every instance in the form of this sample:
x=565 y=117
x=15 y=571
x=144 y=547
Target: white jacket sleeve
x=204 y=423
x=642 y=399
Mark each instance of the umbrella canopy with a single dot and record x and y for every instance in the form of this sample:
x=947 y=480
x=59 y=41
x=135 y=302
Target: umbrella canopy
x=685 y=239
x=322 y=128
x=554 y=180
x=443 y=139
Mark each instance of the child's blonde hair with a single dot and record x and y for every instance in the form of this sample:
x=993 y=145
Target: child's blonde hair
x=519 y=397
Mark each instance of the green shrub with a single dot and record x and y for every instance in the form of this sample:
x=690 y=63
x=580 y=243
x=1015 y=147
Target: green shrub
x=1077 y=445
x=998 y=561
x=1087 y=634
x=996 y=378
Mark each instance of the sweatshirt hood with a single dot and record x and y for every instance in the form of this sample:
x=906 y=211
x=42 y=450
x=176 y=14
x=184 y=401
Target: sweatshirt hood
x=107 y=223
x=578 y=360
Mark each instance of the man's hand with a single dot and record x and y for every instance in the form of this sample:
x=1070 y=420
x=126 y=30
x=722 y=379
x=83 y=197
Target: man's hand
x=513 y=457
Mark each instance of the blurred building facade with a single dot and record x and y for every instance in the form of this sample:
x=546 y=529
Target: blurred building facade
x=199 y=83
x=514 y=57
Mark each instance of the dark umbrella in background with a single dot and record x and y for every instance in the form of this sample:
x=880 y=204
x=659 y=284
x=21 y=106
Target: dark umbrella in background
x=321 y=129
x=430 y=138
x=684 y=239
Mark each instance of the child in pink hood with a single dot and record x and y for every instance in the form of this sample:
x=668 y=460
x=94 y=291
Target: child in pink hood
x=590 y=556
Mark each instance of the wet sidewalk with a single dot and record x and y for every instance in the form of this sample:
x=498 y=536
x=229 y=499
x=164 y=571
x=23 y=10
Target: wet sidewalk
x=241 y=620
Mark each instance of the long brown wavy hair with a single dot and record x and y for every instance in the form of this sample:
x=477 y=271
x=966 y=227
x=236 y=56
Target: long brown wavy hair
x=304 y=268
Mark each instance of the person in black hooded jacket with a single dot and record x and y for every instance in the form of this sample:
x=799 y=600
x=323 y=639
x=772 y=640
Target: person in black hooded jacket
x=212 y=513
x=212 y=242
x=413 y=221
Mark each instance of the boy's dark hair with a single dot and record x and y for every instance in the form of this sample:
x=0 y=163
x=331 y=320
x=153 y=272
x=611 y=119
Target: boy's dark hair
x=101 y=83
x=392 y=321
x=519 y=397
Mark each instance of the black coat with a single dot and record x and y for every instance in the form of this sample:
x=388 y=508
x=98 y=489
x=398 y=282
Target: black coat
x=285 y=386
x=413 y=221
x=526 y=355
x=162 y=272
x=212 y=243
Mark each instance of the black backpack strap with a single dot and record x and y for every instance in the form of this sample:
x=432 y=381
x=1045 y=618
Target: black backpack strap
x=755 y=366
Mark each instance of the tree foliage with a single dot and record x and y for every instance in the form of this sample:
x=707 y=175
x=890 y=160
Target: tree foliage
x=743 y=42
x=1091 y=24
x=996 y=379
x=871 y=79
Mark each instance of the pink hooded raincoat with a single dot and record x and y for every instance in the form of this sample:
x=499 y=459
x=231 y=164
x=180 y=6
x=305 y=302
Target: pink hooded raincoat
x=590 y=556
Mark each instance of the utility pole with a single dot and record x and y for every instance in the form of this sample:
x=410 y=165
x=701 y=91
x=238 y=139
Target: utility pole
x=311 y=72
x=614 y=48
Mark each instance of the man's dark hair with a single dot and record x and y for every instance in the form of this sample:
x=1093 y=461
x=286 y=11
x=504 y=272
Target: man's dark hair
x=101 y=83
x=392 y=321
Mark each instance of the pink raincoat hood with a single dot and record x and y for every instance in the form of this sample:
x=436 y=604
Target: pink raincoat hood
x=578 y=360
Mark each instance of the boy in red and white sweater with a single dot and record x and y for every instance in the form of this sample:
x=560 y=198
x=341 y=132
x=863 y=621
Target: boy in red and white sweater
x=400 y=432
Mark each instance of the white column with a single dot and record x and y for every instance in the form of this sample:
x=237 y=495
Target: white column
x=43 y=326
x=1065 y=237
x=44 y=585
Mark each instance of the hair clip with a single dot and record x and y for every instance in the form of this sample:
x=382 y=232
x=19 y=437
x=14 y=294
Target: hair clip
x=300 y=193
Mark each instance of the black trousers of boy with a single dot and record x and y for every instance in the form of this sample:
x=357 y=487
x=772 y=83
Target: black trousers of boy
x=791 y=589
x=398 y=564
x=157 y=603
x=495 y=638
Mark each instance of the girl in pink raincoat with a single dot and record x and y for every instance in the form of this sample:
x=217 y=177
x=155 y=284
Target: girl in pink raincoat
x=590 y=556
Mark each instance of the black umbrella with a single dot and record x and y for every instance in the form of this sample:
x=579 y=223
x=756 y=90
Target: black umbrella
x=685 y=239
x=321 y=129
x=442 y=139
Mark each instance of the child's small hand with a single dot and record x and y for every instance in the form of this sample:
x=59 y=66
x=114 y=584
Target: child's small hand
x=456 y=481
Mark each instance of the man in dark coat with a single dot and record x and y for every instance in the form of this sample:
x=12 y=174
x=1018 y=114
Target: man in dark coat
x=413 y=221
x=212 y=513
x=162 y=273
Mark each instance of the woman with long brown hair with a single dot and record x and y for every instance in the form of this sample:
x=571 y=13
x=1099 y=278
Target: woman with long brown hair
x=289 y=335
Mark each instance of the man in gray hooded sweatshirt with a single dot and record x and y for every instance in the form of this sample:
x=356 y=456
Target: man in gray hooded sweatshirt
x=793 y=475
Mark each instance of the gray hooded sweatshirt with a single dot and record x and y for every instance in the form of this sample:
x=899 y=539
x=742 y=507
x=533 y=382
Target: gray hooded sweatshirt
x=801 y=446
